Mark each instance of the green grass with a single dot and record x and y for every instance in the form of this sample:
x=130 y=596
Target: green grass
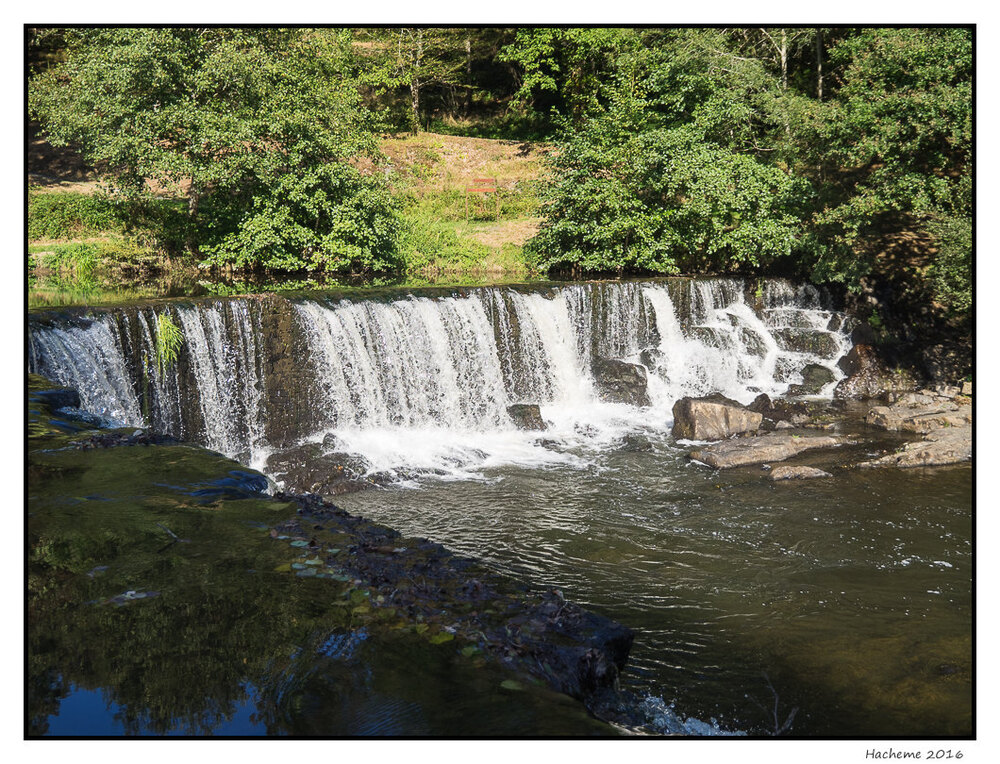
x=442 y=234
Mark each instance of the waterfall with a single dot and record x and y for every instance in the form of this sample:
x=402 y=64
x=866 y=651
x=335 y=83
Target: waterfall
x=422 y=382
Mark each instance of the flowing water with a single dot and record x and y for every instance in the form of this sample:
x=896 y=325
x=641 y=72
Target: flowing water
x=847 y=600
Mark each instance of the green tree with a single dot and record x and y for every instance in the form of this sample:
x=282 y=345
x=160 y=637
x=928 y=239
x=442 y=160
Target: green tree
x=673 y=174
x=415 y=59
x=565 y=71
x=258 y=129
x=896 y=148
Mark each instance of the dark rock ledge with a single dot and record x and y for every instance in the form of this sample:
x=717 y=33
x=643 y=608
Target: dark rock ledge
x=445 y=597
x=574 y=651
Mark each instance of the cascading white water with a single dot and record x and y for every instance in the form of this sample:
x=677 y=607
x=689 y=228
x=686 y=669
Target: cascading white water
x=90 y=360
x=420 y=383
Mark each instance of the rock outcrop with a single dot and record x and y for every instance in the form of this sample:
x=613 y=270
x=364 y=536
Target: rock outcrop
x=712 y=418
x=950 y=445
x=620 y=381
x=943 y=418
x=527 y=416
x=770 y=447
x=868 y=376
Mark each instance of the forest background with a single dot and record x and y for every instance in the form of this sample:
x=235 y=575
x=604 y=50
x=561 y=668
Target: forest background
x=841 y=155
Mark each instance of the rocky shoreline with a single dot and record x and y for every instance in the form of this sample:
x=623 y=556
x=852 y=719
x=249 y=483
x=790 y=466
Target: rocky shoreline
x=932 y=428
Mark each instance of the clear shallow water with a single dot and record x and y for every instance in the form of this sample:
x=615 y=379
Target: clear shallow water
x=851 y=596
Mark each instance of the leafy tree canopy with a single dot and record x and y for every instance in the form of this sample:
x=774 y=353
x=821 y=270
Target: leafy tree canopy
x=258 y=127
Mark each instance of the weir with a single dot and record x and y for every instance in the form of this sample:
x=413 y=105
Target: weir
x=264 y=373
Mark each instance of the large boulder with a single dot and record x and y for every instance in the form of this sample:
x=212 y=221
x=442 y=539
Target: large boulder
x=620 y=381
x=868 y=376
x=527 y=416
x=780 y=409
x=712 y=418
x=772 y=447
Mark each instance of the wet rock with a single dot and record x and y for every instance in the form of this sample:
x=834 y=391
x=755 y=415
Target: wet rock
x=786 y=472
x=814 y=379
x=780 y=409
x=527 y=416
x=306 y=469
x=867 y=375
x=115 y=438
x=713 y=417
x=650 y=358
x=635 y=443
x=57 y=397
x=820 y=343
x=771 y=447
x=620 y=381
x=950 y=445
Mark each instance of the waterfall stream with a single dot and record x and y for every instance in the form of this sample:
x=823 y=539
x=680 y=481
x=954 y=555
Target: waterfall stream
x=421 y=382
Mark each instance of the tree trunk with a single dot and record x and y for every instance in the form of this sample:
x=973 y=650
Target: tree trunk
x=468 y=75
x=819 y=64
x=784 y=58
x=415 y=84
x=194 y=199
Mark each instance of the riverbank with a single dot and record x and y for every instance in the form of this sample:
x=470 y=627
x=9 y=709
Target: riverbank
x=78 y=240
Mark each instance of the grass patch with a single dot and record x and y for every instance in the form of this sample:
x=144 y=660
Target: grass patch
x=438 y=237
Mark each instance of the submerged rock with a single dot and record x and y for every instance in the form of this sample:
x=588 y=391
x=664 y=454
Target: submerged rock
x=712 y=418
x=635 y=443
x=448 y=597
x=620 y=381
x=771 y=447
x=527 y=416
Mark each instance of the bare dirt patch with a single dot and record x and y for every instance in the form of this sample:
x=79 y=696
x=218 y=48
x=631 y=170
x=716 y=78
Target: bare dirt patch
x=448 y=162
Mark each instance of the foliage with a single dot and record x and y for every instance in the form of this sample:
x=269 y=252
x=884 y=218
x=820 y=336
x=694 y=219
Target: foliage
x=711 y=149
x=805 y=149
x=897 y=143
x=169 y=339
x=257 y=127
x=664 y=179
x=66 y=216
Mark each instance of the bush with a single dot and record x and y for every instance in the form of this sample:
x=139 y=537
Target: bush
x=69 y=216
